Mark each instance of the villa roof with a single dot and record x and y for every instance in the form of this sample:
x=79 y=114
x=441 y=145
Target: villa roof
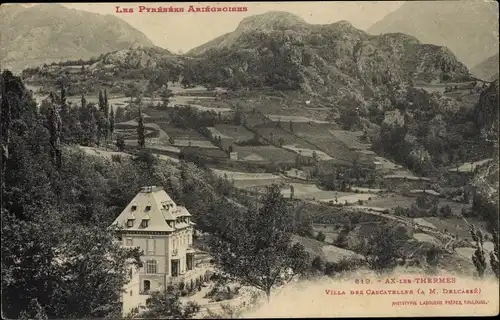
x=154 y=205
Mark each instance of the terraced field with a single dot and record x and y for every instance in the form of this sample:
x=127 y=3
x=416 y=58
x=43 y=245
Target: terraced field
x=248 y=180
x=181 y=134
x=311 y=153
x=235 y=132
x=327 y=252
x=266 y=154
x=352 y=139
x=293 y=119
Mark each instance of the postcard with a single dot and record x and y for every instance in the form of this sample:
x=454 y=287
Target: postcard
x=214 y=160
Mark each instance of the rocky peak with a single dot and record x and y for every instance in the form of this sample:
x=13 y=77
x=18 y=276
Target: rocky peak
x=272 y=20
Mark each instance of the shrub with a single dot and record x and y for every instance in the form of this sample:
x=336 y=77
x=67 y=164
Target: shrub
x=184 y=293
x=320 y=236
x=345 y=264
x=445 y=211
x=318 y=263
x=116 y=158
x=191 y=285
x=120 y=144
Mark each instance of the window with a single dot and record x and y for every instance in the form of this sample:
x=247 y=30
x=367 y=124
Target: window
x=144 y=223
x=148 y=208
x=130 y=292
x=147 y=285
x=130 y=223
x=129 y=242
x=151 y=266
x=130 y=273
x=134 y=207
x=151 y=246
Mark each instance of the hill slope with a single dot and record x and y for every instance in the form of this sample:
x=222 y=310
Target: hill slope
x=281 y=50
x=468 y=28
x=488 y=69
x=45 y=33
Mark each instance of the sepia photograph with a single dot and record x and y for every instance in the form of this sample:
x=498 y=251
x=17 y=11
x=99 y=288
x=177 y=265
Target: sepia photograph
x=224 y=160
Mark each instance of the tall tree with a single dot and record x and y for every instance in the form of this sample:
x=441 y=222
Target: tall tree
x=111 y=121
x=256 y=248
x=92 y=130
x=55 y=125
x=5 y=120
x=141 y=136
x=103 y=122
x=384 y=247
x=106 y=103
x=494 y=255
x=83 y=101
x=479 y=256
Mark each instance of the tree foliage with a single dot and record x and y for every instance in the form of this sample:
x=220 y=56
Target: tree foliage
x=167 y=305
x=256 y=248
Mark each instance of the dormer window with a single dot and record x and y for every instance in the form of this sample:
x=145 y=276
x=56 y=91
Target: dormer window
x=148 y=208
x=134 y=207
x=145 y=221
x=130 y=223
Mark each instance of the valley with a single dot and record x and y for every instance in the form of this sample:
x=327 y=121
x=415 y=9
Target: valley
x=317 y=150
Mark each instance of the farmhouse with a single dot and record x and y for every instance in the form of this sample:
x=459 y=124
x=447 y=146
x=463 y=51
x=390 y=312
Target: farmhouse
x=164 y=232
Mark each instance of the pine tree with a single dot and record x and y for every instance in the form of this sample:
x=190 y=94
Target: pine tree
x=111 y=121
x=141 y=138
x=6 y=118
x=92 y=130
x=494 y=255
x=106 y=103
x=63 y=95
x=65 y=116
x=83 y=101
x=55 y=126
x=479 y=256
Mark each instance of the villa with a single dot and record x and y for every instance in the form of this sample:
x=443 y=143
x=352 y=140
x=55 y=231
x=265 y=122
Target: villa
x=164 y=231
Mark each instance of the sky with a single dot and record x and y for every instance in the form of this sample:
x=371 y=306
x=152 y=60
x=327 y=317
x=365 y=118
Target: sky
x=180 y=32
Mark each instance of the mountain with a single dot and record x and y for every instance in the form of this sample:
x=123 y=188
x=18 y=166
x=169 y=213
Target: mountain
x=147 y=68
x=273 y=20
x=281 y=50
x=468 y=28
x=51 y=32
x=488 y=69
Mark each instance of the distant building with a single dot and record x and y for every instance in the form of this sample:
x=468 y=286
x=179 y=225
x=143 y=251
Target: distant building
x=378 y=165
x=233 y=155
x=164 y=231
